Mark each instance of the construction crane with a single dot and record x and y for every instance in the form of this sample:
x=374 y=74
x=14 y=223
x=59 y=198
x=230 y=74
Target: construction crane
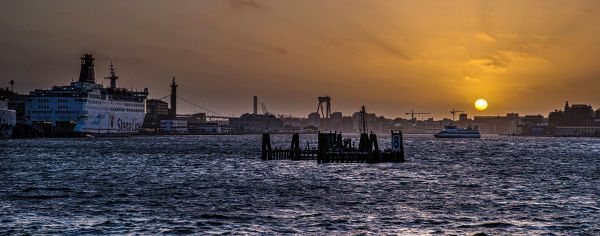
x=264 y=108
x=454 y=113
x=412 y=114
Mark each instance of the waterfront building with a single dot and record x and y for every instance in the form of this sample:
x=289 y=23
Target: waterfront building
x=574 y=131
x=156 y=110
x=15 y=102
x=575 y=120
x=577 y=115
x=314 y=120
x=497 y=124
x=256 y=123
x=597 y=118
x=8 y=120
x=173 y=126
x=292 y=124
x=336 y=121
x=205 y=128
x=532 y=125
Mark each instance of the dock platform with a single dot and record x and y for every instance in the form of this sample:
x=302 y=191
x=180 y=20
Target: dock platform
x=332 y=148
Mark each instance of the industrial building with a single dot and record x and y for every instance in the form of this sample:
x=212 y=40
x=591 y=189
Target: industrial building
x=256 y=123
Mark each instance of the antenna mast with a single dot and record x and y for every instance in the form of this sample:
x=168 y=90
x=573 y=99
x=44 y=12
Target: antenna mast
x=113 y=76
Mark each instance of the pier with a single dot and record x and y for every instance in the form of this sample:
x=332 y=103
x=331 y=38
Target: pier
x=333 y=148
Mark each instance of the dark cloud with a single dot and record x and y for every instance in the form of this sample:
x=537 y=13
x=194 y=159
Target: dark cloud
x=282 y=51
x=389 y=48
x=244 y=4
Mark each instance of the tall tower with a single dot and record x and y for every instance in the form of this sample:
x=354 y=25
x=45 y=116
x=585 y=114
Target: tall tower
x=173 y=111
x=86 y=74
x=113 y=76
x=255 y=105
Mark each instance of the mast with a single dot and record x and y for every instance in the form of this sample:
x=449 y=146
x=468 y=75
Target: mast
x=113 y=76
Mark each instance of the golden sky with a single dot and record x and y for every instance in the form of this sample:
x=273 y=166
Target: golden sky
x=392 y=56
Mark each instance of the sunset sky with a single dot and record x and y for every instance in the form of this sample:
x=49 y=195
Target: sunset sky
x=392 y=56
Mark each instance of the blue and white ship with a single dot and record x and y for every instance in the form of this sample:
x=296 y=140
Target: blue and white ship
x=85 y=107
x=451 y=131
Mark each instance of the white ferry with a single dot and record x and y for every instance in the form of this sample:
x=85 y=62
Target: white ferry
x=451 y=131
x=8 y=120
x=85 y=107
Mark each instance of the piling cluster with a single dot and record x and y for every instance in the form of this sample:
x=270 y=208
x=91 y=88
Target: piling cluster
x=333 y=148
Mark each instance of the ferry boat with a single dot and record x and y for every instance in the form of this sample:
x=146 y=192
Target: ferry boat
x=451 y=131
x=85 y=108
x=8 y=120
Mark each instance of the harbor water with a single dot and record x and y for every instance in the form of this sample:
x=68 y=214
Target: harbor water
x=218 y=184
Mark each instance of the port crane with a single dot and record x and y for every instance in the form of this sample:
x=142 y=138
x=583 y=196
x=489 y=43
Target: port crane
x=454 y=113
x=412 y=114
x=327 y=113
x=264 y=108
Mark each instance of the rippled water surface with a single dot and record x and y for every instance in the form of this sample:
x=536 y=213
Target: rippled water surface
x=218 y=184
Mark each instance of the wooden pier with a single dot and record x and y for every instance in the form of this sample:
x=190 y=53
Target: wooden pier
x=332 y=148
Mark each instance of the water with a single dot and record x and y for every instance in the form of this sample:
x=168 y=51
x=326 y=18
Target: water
x=218 y=184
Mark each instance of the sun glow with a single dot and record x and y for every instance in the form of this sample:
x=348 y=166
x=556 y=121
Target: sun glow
x=481 y=104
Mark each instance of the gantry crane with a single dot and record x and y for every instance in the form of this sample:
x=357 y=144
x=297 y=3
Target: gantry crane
x=327 y=113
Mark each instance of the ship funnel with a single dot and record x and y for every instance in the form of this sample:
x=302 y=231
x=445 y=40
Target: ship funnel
x=87 y=69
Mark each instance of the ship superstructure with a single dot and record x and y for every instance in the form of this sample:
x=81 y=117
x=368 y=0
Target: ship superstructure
x=86 y=107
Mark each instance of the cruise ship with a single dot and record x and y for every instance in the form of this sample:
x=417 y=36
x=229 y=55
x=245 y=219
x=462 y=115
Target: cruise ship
x=85 y=107
x=451 y=131
x=8 y=120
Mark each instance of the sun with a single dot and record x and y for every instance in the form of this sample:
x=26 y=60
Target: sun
x=481 y=104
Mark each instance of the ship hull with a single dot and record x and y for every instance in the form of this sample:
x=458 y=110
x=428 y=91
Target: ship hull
x=111 y=118
x=457 y=135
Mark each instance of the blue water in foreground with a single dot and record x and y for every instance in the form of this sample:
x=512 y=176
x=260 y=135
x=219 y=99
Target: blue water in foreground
x=218 y=184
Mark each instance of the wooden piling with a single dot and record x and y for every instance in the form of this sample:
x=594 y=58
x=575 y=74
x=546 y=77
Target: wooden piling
x=295 y=147
x=266 y=147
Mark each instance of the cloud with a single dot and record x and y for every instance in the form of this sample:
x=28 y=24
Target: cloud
x=471 y=79
x=244 y=4
x=512 y=56
x=485 y=37
x=389 y=48
x=281 y=51
x=488 y=65
x=502 y=59
x=508 y=36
